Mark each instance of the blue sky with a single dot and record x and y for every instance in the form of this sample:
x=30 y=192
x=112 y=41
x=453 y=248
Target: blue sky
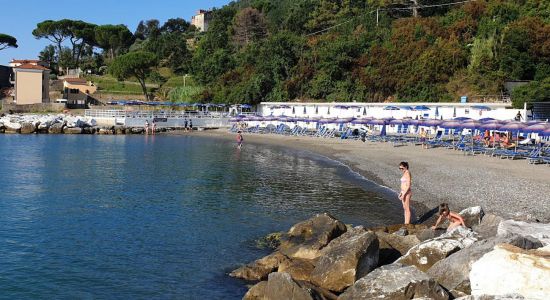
x=21 y=16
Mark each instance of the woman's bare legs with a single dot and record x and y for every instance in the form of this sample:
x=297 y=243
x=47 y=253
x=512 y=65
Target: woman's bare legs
x=406 y=207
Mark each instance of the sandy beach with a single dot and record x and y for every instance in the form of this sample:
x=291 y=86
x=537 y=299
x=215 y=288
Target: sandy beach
x=509 y=188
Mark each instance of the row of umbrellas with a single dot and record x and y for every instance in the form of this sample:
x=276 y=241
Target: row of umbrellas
x=456 y=124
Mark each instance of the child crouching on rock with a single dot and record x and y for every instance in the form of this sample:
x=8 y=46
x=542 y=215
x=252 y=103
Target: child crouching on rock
x=455 y=219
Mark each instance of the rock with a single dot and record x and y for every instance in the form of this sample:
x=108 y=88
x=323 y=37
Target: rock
x=27 y=128
x=511 y=270
x=105 y=131
x=282 y=286
x=428 y=234
x=347 y=258
x=72 y=130
x=408 y=228
x=12 y=127
x=453 y=272
x=88 y=130
x=298 y=268
x=472 y=216
x=307 y=238
x=488 y=226
x=256 y=292
x=271 y=241
x=137 y=130
x=492 y=297
x=259 y=269
x=392 y=247
x=119 y=130
x=426 y=254
x=538 y=231
x=56 y=128
x=395 y=282
x=462 y=234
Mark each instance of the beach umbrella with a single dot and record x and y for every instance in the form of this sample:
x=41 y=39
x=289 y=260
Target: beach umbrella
x=235 y=120
x=421 y=108
x=383 y=132
x=472 y=125
x=462 y=118
x=514 y=127
x=391 y=107
x=485 y=120
x=361 y=121
x=364 y=111
x=316 y=110
x=536 y=128
x=328 y=110
x=326 y=120
x=431 y=122
x=451 y=124
x=343 y=120
x=454 y=112
x=305 y=111
x=545 y=132
x=437 y=111
x=377 y=122
x=293 y=110
x=396 y=122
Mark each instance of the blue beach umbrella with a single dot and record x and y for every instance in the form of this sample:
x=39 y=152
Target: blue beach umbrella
x=396 y=122
x=437 y=111
x=316 y=110
x=431 y=122
x=462 y=118
x=545 y=133
x=364 y=111
x=383 y=132
x=305 y=111
x=391 y=107
x=421 y=108
x=293 y=110
x=536 y=128
x=361 y=121
x=451 y=124
x=485 y=120
x=514 y=127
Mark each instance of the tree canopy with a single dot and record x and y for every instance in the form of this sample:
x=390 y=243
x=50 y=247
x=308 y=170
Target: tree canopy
x=138 y=64
x=7 y=41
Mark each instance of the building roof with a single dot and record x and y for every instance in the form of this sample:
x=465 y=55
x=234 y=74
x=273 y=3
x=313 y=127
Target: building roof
x=29 y=66
x=76 y=80
x=25 y=61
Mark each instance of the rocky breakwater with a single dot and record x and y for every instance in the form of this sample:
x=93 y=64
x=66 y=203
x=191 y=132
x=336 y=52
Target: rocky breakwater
x=322 y=258
x=61 y=124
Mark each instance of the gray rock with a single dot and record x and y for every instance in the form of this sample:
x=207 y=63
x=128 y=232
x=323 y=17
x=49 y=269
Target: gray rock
x=307 y=238
x=259 y=269
x=72 y=130
x=256 y=292
x=488 y=226
x=282 y=286
x=426 y=254
x=347 y=258
x=539 y=231
x=472 y=215
x=119 y=130
x=453 y=272
x=56 y=128
x=492 y=297
x=137 y=130
x=298 y=268
x=395 y=282
x=392 y=247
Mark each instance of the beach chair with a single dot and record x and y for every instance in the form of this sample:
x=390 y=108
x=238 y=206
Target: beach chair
x=435 y=142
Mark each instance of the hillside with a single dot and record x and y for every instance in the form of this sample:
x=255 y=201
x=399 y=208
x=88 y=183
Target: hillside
x=287 y=50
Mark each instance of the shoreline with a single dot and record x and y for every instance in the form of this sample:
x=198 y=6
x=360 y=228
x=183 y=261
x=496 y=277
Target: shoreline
x=439 y=175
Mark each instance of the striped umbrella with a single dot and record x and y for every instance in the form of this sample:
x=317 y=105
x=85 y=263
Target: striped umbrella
x=545 y=132
x=536 y=128
x=431 y=122
x=514 y=127
x=361 y=121
x=377 y=122
x=397 y=122
x=451 y=124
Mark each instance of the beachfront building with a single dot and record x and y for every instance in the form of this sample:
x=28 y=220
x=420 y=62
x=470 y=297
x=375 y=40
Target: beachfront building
x=14 y=63
x=202 y=19
x=31 y=84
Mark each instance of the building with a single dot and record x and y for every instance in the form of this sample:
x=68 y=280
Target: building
x=201 y=20
x=79 y=85
x=6 y=77
x=18 y=62
x=32 y=84
x=77 y=92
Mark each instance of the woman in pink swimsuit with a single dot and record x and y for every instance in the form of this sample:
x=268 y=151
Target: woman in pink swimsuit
x=405 y=194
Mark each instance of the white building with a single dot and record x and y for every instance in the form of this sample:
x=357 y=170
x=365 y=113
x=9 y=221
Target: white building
x=201 y=19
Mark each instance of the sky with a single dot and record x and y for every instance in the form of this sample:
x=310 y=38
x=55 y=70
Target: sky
x=21 y=16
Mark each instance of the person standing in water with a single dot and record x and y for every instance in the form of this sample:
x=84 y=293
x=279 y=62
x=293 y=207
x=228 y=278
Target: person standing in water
x=239 y=140
x=146 y=127
x=405 y=194
x=153 y=127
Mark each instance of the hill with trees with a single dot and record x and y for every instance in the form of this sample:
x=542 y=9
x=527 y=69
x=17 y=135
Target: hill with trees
x=330 y=50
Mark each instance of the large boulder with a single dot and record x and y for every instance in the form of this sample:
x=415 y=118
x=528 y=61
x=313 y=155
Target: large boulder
x=256 y=292
x=472 y=216
x=427 y=253
x=511 y=270
x=27 y=128
x=282 y=286
x=400 y=228
x=492 y=297
x=298 y=268
x=395 y=282
x=72 y=130
x=488 y=226
x=539 y=231
x=137 y=130
x=56 y=128
x=453 y=272
x=259 y=269
x=347 y=258
x=12 y=127
x=307 y=238
x=392 y=246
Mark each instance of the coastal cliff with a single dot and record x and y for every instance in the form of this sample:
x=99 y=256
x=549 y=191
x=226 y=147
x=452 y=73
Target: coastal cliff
x=322 y=258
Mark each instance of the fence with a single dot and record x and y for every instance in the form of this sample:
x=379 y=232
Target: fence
x=161 y=118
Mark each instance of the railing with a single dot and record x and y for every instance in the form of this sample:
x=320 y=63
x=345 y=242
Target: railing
x=118 y=114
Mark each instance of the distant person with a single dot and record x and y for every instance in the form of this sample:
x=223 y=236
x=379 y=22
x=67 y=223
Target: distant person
x=423 y=138
x=240 y=139
x=146 y=127
x=191 y=124
x=185 y=124
x=405 y=194
x=153 y=127
x=487 y=138
x=455 y=219
x=518 y=116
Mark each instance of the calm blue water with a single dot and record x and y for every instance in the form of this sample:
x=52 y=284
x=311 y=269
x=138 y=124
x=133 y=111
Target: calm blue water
x=135 y=217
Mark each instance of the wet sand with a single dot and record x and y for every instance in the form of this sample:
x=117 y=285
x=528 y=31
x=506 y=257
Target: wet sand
x=508 y=188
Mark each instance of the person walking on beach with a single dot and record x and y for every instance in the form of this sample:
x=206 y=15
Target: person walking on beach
x=239 y=139
x=191 y=124
x=185 y=124
x=423 y=138
x=146 y=127
x=455 y=219
x=405 y=194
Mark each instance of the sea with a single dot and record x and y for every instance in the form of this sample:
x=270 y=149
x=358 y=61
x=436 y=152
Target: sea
x=159 y=217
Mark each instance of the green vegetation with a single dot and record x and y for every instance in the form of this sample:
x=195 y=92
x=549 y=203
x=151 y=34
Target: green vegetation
x=137 y=64
x=325 y=50
x=7 y=41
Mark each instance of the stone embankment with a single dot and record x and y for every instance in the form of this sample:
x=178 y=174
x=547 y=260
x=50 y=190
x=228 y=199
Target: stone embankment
x=62 y=124
x=322 y=258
